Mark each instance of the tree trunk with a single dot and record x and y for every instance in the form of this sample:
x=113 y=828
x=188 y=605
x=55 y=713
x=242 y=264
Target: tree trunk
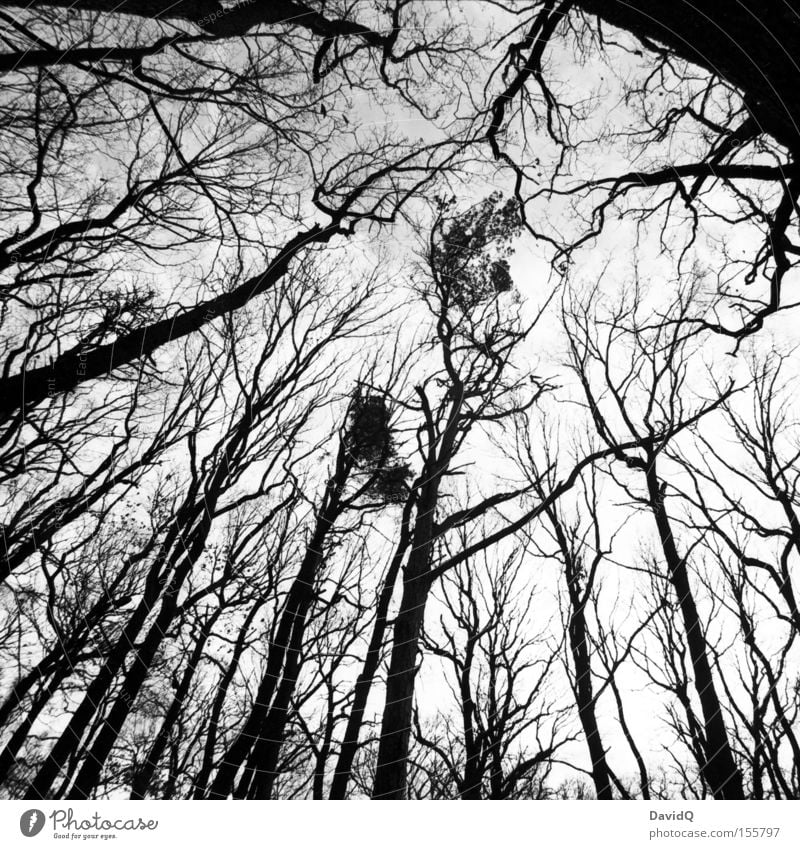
x=719 y=768
x=298 y=602
x=289 y=634
x=142 y=779
x=391 y=769
x=82 y=363
x=8 y=757
x=70 y=738
x=753 y=44
x=347 y=753
x=207 y=765
x=89 y=775
x=473 y=779
x=577 y=633
x=584 y=698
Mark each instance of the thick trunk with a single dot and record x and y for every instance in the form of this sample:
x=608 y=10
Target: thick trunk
x=223 y=783
x=291 y=628
x=262 y=766
x=347 y=753
x=392 y=765
x=584 y=695
x=266 y=754
x=83 y=363
x=294 y=614
x=719 y=767
x=391 y=769
x=753 y=44
x=586 y=709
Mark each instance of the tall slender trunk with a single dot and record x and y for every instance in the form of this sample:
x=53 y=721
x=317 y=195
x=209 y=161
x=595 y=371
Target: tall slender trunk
x=578 y=638
x=71 y=736
x=290 y=632
x=473 y=779
x=201 y=781
x=644 y=780
x=391 y=769
x=8 y=757
x=321 y=759
x=265 y=756
x=719 y=768
x=584 y=697
x=392 y=766
x=347 y=753
x=89 y=774
x=142 y=779
x=298 y=602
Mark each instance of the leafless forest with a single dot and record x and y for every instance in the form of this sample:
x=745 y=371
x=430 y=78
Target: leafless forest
x=399 y=399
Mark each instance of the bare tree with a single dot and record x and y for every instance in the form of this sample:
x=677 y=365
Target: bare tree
x=476 y=335
x=649 y=400
x=275 y=430
x=500 y=669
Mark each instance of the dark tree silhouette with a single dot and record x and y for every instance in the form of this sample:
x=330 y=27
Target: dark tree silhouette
x=287 y=412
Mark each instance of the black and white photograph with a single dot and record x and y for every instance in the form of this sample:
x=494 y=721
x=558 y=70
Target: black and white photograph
x=400 y=401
